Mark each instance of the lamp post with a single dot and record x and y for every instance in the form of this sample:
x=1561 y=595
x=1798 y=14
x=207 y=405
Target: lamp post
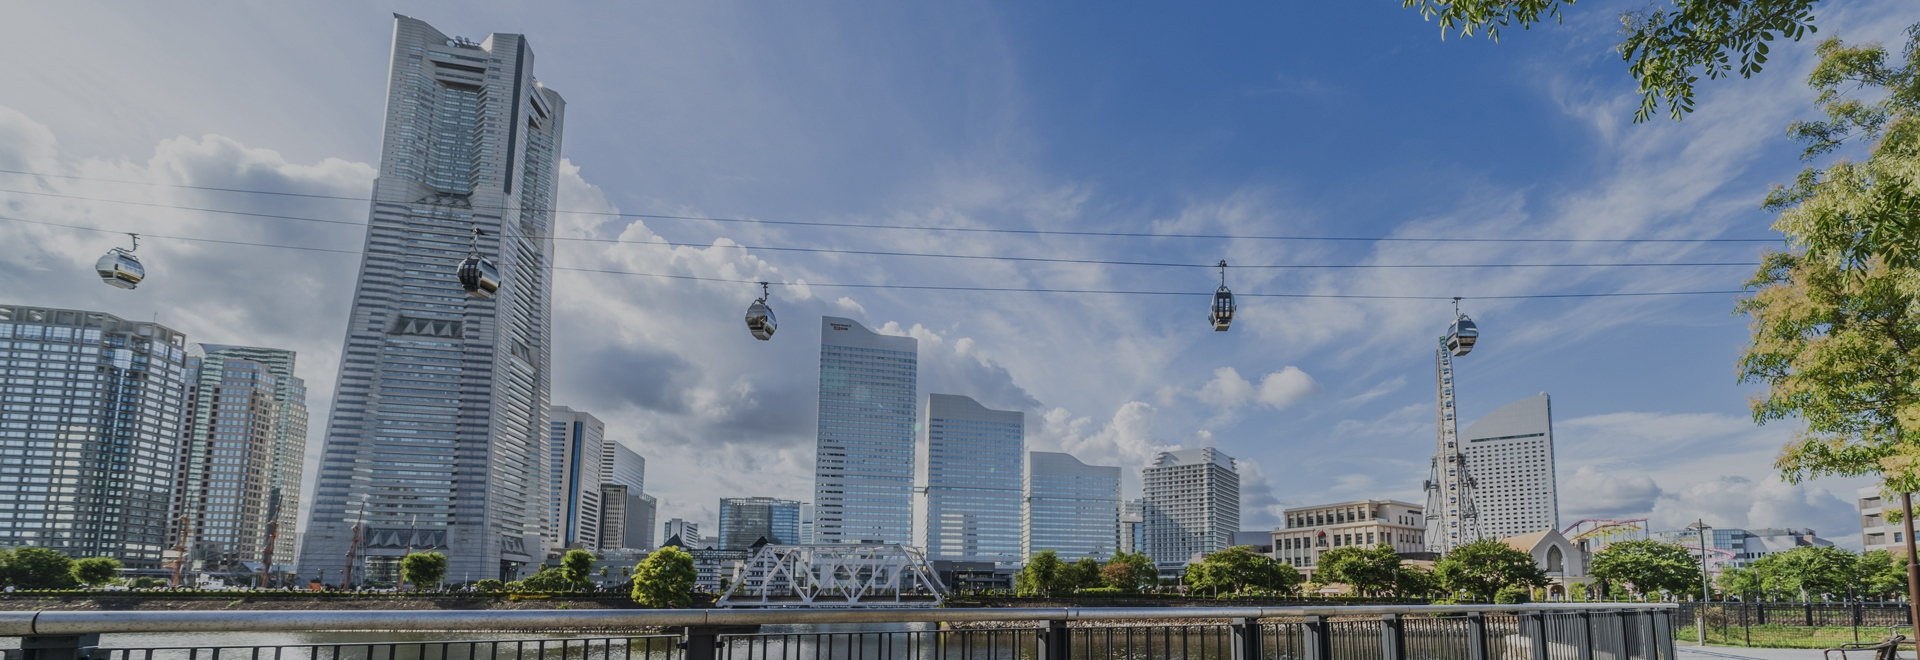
x=1706 y=593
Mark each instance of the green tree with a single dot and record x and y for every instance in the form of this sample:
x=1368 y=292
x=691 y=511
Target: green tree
x=1414 y=582
x=96 y=571
x=1043 y=575
x=1239 y=567
x=1881 y=573
x=1368 y=570
x=577 y=567
x=490 y=585
x=1745 y=583
x=665 y=579
x=423 y=569
x=1483 y=567
x=1807 y=572
x=1668 y=47
x=1085 y=573
x=40 y=568
x=1648 y=567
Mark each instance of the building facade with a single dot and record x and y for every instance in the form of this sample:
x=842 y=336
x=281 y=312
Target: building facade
x=1133 y=526
x=864 y=462
x=237 y=481
x=1510 y=452
x=90 y=423
x=1192 y=506
x=1070 y=508
x=682 y=533
x=744 y=521
x=575 y=457
x=626 y=518
x=1875 y=532
x=974 y=460
x=1311 y=531
x=620 y=465
x=438 y=435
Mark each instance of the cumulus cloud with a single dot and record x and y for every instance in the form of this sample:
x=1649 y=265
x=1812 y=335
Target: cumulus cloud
x=1277 y=390
x=1590 y=493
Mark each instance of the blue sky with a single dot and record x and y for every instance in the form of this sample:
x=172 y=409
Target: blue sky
x=1323 y=119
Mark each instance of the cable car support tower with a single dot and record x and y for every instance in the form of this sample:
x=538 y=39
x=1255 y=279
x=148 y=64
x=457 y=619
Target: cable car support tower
x=1451 y=514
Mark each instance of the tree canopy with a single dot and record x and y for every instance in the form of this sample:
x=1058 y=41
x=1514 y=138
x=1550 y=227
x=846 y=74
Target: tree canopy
x=38 y=568
x=1647 y=567
x=1807 y=572
x=1128 y=571
x=665 y=579
x=1239 y=567
x=1668 y=46
x=1044 y=575
x=1367 y=570
x=423 y=569
x=96 y=571
x=577 y=567
x=1483 y=567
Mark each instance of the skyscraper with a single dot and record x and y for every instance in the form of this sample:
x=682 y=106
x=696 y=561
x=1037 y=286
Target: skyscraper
x=237 y=481
x=974 y=461
x=1070 y=508
x=438 y=436
x=626 y=518
x=863 y=468
x=1192 y=502
x=89 y=432
x=682 y=532
x=1510 y=451
x=620 y=465
x=574 y=456
x=746 y=520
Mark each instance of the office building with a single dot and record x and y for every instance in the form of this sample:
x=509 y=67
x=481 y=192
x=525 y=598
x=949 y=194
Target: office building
x=1192 y=506
x=745 y=521
x=237 y=481
x=620 y=465
x=1875 y=532
x=863 y=465
x=806 y=523
x=974 y=461
x=1510 y=452
x=682 y=533
x=1069 y=507
x=438 y=436
x=575 y=451
x=626 y=518
x=90 y=426
x=1310 y=531
x=1133 y=526
x=1733 y=547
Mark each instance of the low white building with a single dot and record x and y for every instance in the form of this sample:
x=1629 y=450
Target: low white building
x=1310 y=531
x=1553 y=553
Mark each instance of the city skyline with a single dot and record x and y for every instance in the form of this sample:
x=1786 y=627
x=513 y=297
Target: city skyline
x=1127 y=378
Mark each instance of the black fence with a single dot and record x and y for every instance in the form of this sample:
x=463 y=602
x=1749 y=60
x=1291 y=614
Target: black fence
x=1838 y=615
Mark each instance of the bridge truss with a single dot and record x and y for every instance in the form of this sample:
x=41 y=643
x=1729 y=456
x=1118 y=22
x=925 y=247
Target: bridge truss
x=834 y=576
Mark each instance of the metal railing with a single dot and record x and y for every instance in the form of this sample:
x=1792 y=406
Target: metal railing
x=1546 y=631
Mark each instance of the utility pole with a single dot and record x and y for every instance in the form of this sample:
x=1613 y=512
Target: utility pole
x=1913 y=563
x=1706 y=593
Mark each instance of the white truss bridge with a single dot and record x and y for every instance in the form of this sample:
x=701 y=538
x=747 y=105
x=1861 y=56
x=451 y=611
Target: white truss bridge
x=834 y=576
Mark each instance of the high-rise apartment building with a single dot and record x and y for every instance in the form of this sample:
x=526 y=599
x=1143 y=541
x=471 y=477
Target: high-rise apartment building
x=1510 y=453
x=626 y=518
x=1070 y=508
x=863 y=465
x=575 y=452
x=90 y=418
x=744 y=521
x=237 y=480
x=975 y=457
x=682 y=532
x=620 y=465
x=438 y=436
x=1192 y=505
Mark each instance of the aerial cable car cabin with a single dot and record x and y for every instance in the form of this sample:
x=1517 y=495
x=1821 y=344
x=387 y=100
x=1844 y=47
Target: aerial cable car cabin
x=1221 y=315
x=760 y=319
x=119 y=268
x=1462 y=334
x=477 y=275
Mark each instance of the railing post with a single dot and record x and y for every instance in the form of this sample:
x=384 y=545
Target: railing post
x=1246 y=639
x=55 y=647
x=1476 y=636
x=1534 y=626
x=1317 y=645
x=1393 y=638
x=1627 y=634
x=1809 y=615
x=1586 y=635
x=703 y=642
x=1663 y=633
x=1054 y=644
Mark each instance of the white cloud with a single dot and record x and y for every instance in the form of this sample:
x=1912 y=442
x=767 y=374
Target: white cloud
x=1278 y=390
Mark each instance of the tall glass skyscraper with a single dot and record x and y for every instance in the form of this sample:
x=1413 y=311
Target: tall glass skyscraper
x=863 y=468
x=438 y=436
x=89 y=432
x=237 y=483
x=575 y=448
x=974 y=460
x=1071 y=508
x=746 y=520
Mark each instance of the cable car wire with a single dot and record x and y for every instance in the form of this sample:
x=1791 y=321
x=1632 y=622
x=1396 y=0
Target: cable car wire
x=929 y=287
x=987 y=230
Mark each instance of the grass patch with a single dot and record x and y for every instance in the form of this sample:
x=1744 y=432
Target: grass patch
x=1785 y=637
